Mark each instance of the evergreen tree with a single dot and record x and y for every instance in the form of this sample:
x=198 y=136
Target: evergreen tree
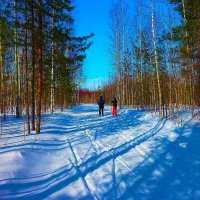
x=188 y=36
x=38 y=48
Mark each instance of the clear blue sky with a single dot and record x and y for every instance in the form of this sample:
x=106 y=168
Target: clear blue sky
x=92 y=16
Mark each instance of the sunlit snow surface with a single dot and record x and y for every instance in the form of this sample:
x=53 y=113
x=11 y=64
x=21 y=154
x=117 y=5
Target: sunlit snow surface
x=79 y=155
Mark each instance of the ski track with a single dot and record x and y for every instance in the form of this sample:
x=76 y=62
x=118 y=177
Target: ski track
x=98 y=143
x=95 y=143
x=88 y=148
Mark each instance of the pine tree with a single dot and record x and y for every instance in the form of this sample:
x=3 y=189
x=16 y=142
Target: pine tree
x=46 y=49
x=187 y=35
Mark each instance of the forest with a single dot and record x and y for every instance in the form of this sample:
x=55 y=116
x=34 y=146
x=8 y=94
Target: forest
x=41 y=58
x=155 y=57
x=57 y=143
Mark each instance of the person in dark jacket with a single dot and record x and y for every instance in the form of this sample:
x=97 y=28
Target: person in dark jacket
x=101 y=103
x=114 y=106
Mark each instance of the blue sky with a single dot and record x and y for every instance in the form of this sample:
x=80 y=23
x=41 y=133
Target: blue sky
x=92 y=16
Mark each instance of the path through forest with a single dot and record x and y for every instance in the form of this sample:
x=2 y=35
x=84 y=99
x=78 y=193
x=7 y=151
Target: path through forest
x=79 y=155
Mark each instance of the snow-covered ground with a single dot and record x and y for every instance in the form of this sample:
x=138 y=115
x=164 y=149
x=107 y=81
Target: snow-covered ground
x=79 y=155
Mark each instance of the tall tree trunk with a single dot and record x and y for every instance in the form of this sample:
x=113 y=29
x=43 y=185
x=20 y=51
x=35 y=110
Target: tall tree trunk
x=117 y=51
x=189 y=62
x=52 y=63
x=33 y=67
x=170 y=94
x=39 y=95
x=123 y=53
x=156 y=60
x=16 y=62
x=26 y=72
x=171 y=63
x=1 y=72
x=141 y=59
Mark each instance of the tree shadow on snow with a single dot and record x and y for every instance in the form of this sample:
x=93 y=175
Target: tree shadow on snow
x=171 y=173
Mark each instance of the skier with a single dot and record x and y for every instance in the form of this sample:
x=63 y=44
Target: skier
x=101 y=103
x=114 y=106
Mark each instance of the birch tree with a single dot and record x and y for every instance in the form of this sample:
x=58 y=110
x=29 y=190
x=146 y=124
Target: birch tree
x=156 y=59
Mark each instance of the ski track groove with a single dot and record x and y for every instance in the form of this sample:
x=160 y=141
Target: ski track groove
x=78 y=170
x=96 y=143
x=82 y=168
x=122 y=161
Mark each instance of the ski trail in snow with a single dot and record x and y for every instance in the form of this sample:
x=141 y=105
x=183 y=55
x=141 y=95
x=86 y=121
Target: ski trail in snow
x=87 y=127
x=79 y=170
x=97 y=143
x=120 y=158
x=97 y=158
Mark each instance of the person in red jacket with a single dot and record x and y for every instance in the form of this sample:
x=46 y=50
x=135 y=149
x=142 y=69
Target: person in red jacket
x=114 y=106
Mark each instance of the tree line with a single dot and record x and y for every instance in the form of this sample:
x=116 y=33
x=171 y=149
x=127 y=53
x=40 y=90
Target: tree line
x=41 y=58
x=155 y=55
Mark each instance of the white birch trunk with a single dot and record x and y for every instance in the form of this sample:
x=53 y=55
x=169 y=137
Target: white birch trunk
x=156 y=60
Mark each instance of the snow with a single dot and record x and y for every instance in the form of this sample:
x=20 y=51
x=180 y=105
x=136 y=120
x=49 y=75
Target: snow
x=80 y=155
